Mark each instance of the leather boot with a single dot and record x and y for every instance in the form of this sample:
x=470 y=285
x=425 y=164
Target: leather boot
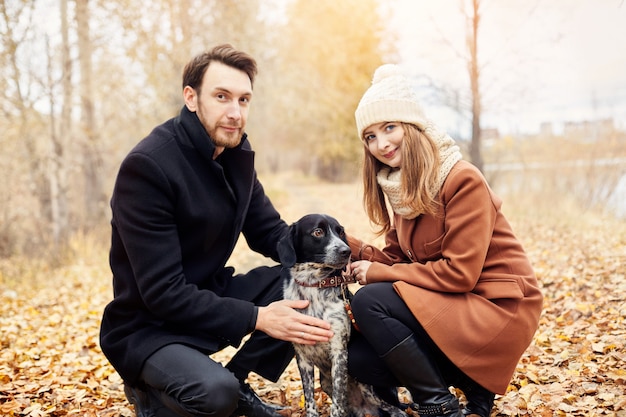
x=417 y=372
x=250 y=405
x=479 y=400
x=146 y=403
x=140 y=400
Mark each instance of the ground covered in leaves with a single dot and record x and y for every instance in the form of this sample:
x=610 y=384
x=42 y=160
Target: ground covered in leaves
x=51 y=364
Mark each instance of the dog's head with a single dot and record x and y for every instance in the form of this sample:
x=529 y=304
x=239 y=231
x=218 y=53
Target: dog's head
x=315 y=238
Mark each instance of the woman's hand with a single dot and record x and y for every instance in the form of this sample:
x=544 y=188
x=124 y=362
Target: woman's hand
x=359 y=271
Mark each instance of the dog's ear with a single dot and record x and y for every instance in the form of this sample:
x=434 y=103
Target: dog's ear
x=286 y=249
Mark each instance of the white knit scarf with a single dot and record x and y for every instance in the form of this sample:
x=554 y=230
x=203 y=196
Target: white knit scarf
x=389 y=179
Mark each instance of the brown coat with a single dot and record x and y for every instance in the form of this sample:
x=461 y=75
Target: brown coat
x=465 y=277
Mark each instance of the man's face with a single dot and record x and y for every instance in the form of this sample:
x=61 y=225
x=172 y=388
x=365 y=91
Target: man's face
x=222 y=105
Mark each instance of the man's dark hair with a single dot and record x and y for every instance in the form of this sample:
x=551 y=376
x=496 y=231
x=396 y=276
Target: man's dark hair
x=227 y=55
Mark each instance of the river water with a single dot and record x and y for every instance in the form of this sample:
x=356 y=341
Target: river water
x=597 y=183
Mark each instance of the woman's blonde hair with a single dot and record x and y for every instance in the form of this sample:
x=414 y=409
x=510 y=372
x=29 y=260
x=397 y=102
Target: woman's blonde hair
x=419 y=171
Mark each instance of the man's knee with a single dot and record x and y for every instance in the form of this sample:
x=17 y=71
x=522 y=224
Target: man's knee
x=190 y=383
x=215 y=396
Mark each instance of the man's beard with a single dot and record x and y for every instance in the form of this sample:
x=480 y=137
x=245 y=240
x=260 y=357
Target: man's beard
x=227 y=140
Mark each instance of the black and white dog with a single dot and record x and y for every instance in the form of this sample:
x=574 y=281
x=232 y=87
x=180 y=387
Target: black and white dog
x=313 y=255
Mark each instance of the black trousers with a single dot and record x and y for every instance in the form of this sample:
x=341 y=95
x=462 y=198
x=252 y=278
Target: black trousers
x=183 y=381
x=385 y=321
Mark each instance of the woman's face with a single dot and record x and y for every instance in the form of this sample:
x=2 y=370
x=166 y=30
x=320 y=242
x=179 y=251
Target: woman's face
x=384 y=141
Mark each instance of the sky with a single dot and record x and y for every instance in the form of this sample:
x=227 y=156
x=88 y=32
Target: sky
x=542 y=60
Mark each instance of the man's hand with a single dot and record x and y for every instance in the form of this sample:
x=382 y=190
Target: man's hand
x=280 y=320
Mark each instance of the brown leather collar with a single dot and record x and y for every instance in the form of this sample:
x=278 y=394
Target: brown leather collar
x=329 y=282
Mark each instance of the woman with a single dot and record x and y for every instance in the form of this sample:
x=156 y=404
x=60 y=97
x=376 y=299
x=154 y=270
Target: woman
x=452 y=298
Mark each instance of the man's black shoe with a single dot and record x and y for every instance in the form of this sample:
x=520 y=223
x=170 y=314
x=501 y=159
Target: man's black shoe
x=146 y=404
x=140 y=399
x=250 y=405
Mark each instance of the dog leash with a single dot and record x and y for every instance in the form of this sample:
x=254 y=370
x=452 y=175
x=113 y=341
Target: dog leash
x=348 y=307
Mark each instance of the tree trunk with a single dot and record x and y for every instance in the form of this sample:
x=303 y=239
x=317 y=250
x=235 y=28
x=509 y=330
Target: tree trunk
x=57 y=177
x=474 y=74
x=95 y=200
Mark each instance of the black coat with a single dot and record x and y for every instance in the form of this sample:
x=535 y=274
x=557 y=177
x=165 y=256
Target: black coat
x=177 y=215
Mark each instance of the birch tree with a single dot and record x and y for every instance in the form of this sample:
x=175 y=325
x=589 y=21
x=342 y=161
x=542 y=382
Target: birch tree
x=57 y=175
x=472 y=26
x=95 y=199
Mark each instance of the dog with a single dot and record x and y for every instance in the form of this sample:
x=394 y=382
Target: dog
x=313 y=254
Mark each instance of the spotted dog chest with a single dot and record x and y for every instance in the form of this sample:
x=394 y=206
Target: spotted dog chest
x=327 y=304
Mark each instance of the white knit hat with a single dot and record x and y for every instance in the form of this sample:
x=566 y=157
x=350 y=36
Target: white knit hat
x=391 y=98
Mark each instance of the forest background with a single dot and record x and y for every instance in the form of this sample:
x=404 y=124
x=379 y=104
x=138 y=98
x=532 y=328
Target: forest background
x=83 y=80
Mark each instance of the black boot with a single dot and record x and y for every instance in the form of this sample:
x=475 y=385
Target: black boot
x=479 y=399
x=250 y=405
x=146 y=403
x=140 y=400
x=417 y=372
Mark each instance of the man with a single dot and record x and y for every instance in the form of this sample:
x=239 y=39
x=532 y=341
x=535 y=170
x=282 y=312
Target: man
x=181 y=199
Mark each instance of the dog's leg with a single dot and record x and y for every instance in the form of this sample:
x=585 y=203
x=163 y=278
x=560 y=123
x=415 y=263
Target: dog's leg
x=393 y=411
x=372 y=404
x=307 y=375
x=339 y=372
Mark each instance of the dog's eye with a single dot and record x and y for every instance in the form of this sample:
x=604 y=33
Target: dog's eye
x=317 y=232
